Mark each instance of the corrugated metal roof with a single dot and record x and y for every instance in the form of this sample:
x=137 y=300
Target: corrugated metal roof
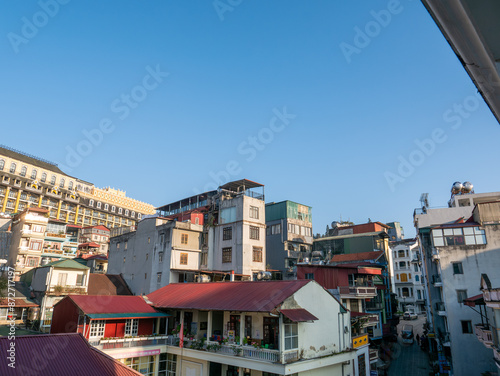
x=362 y=256
x=299 y=315
x=59 y=354
x=66 y=264
x=18 y=302
x=226 y=296
x=111 y=304
x=360 y=235
x=126 y=315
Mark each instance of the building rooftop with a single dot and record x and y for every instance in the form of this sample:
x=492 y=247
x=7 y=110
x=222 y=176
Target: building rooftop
x=107 y=284
x=59 y=355
x=66 y=264
x=355 y=257
x=226 y=296
x=110 y=304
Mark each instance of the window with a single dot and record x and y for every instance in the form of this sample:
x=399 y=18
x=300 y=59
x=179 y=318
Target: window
x=117 y=245
x=184 y=238
x=291 y=336
x=254 y=212
x=98 y=205
x=12 y=168
x=113 y=208
x=416 y=278
x=126 y=212
x=309 y=275
x=419 y=295
x=44 y=177
x=80 y=278
x=227 y=233
x=466 y=327
x=276 y=229
x=106 y=206
x=461 y=295
x=147 y=256
x=254 y=233
x=124 y=247
x=404 y=277
x=91 y=203
x=33 y=174
x=131 y=327
x=458 y=236
x=97 y=328
x=257 y=254
x=167 y=365
x=32 y=261
x=53 y=180
x=2 y=164
x=61 y=183
x=120 y=210
x=145 y=275
x=402 y=265
x=457 y=268
x=160 y=257
x=132 y=214
x=415 y=267
x=158 y=278
x=70 y=185
x=124 y=259
x=184 y=258
x=227 y=255
x=401 y=253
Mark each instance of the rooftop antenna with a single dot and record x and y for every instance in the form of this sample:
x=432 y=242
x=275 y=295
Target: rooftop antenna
x=424 y=200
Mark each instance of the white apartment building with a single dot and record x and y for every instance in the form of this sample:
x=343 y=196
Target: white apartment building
x=457 y=245
x=407 y=281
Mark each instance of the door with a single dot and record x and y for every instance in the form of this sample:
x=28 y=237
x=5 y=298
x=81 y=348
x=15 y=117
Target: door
x=271 y=332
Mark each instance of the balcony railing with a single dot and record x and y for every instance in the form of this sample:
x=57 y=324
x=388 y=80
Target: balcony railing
x=483 y=333
x=119 y=343
x=64 y=290
x=363 y=291
x=441 y=309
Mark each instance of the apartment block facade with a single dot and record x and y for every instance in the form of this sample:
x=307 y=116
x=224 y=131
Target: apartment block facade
x=457 y=245
x=289 y=237
x=28 y=181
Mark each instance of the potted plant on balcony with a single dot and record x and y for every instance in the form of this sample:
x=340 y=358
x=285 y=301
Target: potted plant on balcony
x=237 y=350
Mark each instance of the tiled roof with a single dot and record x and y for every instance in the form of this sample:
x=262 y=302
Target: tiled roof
x=353 y=257
x=98 y=227
x=111 y=304
x=226 y=296
x=59 y=355
x=91 y=245
x=107 y=284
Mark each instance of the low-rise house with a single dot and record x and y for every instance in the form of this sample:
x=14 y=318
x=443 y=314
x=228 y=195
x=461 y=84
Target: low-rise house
x=121 y=326
x=259 y=328
x=52 y=282
x=59 y=354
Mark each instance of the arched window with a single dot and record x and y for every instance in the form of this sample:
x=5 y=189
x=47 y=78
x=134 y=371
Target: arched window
x=126 y=212
x=2 y=164
x=132 y=214
x=61 y=183
x=113 y=208
x=12 y=168
x=91 y=203
x=70 y=184
x=139 y=215
x=106 y=206
x=34 y=172
x=53 y=180
x=24 y=169
x=98 y=205
x=120 y=211
x=44 y=177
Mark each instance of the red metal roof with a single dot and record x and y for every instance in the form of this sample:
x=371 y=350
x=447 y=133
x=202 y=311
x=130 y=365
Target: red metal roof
x=226 y=296
x=59 y=354
x=362 y=256
x=299 y=315
x=18 y=302
x=111 y=304
x=98 y=227
x=91 y=244
x=473 y=300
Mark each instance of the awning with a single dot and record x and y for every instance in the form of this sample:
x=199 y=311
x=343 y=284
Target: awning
x=127 y=315
x=298 y=315
x=365 y=270
x=474 y=300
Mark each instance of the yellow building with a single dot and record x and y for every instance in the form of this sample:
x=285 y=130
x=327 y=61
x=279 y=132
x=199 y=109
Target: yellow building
x=29 y=181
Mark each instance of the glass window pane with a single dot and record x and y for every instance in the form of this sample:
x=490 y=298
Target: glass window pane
x=468 y=230
x=448 y=231
x=438 y=242
x=469 y=240
x=477 y=231
x=437 y=233
x=457 y=231
x=480 y=239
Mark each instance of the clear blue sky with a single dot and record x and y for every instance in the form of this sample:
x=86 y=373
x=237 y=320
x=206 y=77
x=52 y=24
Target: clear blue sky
x=353 y=104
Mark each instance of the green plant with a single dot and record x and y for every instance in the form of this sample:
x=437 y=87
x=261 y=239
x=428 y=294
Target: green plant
x=214 y=347
x=245 y=341
x=237 y=350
